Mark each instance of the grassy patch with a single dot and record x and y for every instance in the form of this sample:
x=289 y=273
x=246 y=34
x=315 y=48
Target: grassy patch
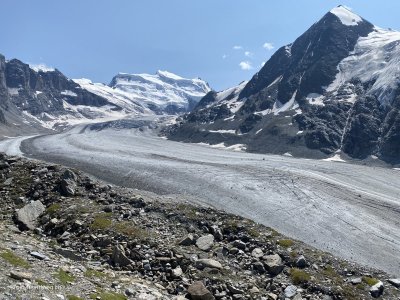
x=41 y=282
x=72 y=297
x=131 y=230
x=52 y=209
x=299 y=276
x=108 y=296
x=285 y=243
x=14 y=260
x=64 y=277
x=101 y=221
x=253 y=232
x=90 y=273
x=370 y=280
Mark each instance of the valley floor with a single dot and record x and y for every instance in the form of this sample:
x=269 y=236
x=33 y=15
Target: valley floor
x=352 y=211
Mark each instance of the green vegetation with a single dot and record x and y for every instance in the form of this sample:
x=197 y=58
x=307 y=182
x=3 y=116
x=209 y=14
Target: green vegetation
x=370 y=280
x=108 y=296
x=64 y=277
x=14 y=260
x=131 y=230
x=90 y=273
x=72 y=297
x=101 y=221
x=41 y=282
x=285 y=243
x=299 y=276
x=52 y=209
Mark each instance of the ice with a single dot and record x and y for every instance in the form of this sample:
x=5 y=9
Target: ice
x=346 y=16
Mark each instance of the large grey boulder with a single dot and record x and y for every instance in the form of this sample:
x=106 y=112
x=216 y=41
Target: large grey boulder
x=273 y=264
x=119 y=257
x=205 y=242
x=377 y=290
x=27 y=216
x=198 y=291
x=68 y=183
x=208 y=263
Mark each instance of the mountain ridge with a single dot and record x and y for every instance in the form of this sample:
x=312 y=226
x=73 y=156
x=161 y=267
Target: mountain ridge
x=333 y=90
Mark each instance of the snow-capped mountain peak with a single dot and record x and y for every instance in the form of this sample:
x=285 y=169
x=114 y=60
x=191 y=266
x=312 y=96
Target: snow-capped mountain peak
x=163 y=91
x=346 y=16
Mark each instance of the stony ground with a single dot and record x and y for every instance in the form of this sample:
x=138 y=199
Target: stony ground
x=64 y=235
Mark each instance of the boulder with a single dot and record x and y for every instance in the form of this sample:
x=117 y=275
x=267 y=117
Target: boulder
x=208 y=263
x=273 y=264
x=119 y=258
x=205 y=242
x=198 y=291
x=257 y=253
x=395 y=282
x=28 y=215
x=68 y=183
x=301 y=262
x=187 y=240
x=21 y=275
x=376 y=290
x=290 y=291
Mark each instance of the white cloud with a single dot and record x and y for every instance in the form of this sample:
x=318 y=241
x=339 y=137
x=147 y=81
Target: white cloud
x=268 y=46
x=245 y=65
x=262 y=64
x=237 y=47
x=41 y=67
x=224 y=56
x=248 y=54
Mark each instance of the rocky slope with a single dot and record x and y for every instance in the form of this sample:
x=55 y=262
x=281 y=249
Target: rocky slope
x=66 y=236
x=335 y=89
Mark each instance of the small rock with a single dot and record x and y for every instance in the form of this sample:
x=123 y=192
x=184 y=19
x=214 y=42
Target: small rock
x=177 y=272
x=39 y=255
x=21 y=275
x=395 y=282
x=205 y=242
x=257 y=253
x=239 y=244
x=377 y=290
x=301 y=262
x=356 y=281
x=290 y=291
x=187 y=240
x=208 y=263
x=272 y=296
x=198 y=291
x=234 y=290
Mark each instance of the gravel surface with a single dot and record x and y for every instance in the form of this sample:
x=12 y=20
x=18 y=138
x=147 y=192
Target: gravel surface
x=349 y=210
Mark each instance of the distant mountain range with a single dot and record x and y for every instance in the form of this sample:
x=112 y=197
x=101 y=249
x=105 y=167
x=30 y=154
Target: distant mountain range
x=334 y=91
x=32 y=98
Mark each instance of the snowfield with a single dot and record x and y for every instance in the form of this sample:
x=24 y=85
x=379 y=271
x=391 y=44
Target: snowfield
x=349 y=210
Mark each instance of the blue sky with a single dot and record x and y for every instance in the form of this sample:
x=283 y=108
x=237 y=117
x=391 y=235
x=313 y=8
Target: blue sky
x=96 y=39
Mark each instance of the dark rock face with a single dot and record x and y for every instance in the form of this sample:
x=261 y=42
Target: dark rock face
x=42 y=94
x=286 y=106
x=310 y=62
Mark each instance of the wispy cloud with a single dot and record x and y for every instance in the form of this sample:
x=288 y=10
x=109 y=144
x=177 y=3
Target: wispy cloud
x=268 y=46
x=245 y=65
x=237 y=47
x=224 y=56
x=248 y=53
